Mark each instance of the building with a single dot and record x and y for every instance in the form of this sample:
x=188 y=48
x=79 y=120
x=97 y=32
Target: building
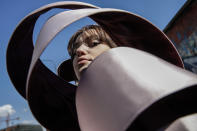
x=182 y=30
x=24 y=127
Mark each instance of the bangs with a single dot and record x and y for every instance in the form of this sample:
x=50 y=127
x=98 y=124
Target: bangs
x=86 y=34
x=91 y=34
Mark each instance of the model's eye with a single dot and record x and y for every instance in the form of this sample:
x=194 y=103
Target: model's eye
x=95 y=43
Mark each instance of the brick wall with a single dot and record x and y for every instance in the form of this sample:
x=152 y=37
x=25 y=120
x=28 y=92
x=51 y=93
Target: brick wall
x=183 y=31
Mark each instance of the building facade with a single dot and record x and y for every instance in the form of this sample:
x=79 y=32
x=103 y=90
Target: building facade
x=24 y=127
x=182 y=30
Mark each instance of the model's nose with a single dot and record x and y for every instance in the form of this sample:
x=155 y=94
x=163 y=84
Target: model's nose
x=82 y=50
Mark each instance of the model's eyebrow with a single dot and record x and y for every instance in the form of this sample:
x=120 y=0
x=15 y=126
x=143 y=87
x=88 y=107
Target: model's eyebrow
x=92 y=37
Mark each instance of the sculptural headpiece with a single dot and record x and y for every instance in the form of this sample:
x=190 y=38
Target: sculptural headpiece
x=47 y=94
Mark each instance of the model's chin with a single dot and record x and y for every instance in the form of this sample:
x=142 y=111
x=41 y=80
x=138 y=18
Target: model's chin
x=83 y=68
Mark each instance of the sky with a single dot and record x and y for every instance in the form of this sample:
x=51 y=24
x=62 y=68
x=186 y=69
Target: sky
x=159 y=12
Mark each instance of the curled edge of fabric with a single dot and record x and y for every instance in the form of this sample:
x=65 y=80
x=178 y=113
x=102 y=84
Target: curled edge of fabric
x=118 y=97
x=19 y=53
x=27 y=26
x=20 y=47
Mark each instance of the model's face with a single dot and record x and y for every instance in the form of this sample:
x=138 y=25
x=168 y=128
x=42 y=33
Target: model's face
x=86 y=52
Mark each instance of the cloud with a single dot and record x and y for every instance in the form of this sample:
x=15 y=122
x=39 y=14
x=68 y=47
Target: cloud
x=6 y=109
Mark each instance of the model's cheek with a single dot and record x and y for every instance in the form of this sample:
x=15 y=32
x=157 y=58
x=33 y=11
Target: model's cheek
x=99 y=50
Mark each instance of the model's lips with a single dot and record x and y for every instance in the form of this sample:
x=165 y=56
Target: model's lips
x=82 y=60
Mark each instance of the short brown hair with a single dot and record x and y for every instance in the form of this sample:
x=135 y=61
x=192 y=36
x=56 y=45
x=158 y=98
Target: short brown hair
x=84 y=32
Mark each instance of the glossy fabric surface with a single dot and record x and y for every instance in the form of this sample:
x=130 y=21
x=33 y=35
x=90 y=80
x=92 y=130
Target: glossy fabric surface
x=51 y=98
x=127 y=88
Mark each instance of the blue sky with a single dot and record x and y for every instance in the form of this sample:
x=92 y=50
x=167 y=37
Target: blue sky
x=159 y=12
